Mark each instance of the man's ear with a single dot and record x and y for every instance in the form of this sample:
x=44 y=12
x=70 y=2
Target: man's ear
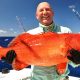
x=36 y=15
x=53 y=13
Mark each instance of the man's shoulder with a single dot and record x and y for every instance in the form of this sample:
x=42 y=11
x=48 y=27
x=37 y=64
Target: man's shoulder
x=65 y=29
x=35 y=30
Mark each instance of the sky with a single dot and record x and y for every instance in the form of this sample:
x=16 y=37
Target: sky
x=14 y=12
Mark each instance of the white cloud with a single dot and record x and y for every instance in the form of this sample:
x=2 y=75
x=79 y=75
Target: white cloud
x=3 y=31
x=71 y=6
x=8 y=32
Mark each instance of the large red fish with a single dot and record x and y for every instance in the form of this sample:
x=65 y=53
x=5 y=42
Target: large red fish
x=44 y=49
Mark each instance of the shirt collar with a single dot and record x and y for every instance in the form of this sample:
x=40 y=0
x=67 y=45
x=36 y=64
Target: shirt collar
x=50 y=28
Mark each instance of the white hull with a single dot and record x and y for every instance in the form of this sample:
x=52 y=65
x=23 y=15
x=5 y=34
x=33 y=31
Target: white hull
x=22 y=75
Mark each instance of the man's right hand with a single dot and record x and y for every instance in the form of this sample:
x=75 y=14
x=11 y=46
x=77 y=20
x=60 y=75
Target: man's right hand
x=10 y=56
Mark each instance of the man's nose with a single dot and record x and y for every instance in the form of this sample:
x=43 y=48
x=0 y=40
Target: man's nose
x=44 y=11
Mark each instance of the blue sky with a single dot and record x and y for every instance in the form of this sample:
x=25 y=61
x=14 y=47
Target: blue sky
x=25 y=9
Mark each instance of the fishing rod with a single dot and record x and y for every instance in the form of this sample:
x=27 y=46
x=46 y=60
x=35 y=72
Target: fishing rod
x=72 y=7
x=20 y=23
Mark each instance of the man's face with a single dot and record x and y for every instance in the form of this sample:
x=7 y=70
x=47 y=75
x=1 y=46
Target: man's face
x=44 y=14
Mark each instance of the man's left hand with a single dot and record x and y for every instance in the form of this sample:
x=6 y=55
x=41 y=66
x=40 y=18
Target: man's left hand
x=74 y=56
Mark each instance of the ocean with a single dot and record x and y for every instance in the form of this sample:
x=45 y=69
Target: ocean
x=4 y=41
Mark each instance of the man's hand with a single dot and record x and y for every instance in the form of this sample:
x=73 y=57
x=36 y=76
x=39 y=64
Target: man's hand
x=10 y=56
x=74 y=56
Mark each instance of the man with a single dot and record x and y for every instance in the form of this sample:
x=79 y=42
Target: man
x=44 y=15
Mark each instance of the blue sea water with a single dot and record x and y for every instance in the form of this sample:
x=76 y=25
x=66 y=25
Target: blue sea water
x=4 y=41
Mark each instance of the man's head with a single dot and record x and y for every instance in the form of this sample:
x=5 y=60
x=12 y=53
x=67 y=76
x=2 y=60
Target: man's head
x=44 y=13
